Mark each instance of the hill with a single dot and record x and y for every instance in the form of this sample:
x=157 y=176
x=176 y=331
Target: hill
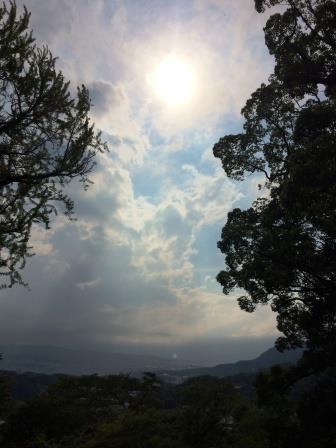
x=265 y=360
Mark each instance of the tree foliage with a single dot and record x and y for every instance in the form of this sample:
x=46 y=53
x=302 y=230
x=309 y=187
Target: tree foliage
x=100 y=412
x=282 y=250
x=205 y=412
x=46 y=139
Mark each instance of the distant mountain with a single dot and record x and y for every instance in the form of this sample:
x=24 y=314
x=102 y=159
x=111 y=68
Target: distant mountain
x=265 y=360
x=50 y=360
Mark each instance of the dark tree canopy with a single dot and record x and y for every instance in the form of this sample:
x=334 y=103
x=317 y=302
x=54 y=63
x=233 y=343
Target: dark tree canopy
x=282 y=250
x=46 y=140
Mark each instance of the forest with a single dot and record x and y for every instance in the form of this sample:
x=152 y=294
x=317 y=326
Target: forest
x=121 y=411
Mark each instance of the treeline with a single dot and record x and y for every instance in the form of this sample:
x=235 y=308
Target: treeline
x=22 y=386
x=205 y=412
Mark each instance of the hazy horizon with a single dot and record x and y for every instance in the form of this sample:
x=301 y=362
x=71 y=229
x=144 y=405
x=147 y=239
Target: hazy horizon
x=204 y=353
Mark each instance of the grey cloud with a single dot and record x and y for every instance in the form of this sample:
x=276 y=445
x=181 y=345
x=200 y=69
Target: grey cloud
x=50 y=19
x=105 y=96
x=57 y=310
x=99 y=284
x=172 y=222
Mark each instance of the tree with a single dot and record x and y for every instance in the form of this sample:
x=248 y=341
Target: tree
x=282 y=250
x=211 y=409
x=46 y=140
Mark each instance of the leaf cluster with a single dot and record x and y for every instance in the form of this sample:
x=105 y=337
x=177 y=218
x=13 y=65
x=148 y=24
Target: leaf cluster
x=282 y=250
x=46 y=140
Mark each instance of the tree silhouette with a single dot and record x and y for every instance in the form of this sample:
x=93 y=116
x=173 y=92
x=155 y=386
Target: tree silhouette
x=282 y=250
x=46 y=140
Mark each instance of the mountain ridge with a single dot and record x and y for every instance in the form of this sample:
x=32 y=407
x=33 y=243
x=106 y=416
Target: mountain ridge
x=54 y=360
x=263 y=361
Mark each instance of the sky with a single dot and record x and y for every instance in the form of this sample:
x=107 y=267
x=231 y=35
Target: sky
x=136 y=272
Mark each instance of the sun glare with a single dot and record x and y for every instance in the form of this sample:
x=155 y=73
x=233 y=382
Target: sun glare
x=173 y=81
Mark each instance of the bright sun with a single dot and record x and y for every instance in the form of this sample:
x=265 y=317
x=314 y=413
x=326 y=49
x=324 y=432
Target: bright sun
x=173 y=81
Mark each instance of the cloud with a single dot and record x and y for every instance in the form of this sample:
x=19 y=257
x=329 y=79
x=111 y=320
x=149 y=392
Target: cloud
x=105 y=97
x=137 y=266
x=90 y=284
x=220 y=41
x=123 y=272
x=51 y=20
x=220 y=49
